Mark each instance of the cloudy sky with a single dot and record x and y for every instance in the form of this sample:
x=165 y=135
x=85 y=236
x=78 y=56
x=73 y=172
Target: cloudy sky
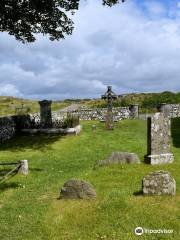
x=135 y=47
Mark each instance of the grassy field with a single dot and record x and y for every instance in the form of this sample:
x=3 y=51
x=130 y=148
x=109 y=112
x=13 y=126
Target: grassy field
x=11 y=105
x=29 y=206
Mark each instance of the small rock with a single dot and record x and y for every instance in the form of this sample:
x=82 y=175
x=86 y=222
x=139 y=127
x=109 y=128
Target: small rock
x=77 y=189
x=119 y=158
x=159 y=183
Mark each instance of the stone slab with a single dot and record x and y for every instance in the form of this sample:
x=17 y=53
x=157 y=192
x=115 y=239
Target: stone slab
x=160 y=158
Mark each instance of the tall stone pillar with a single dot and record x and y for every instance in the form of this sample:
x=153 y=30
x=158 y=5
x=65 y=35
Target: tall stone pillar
x=158 y=140
x=134 y=111
x=45 y=113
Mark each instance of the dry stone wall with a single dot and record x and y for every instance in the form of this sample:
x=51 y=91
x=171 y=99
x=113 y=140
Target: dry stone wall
x=170 y=110
x=100 y=113
x=7 y=128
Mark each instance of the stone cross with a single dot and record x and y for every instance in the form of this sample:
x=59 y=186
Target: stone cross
x=45 y=113
x=110 y=96
x=159 y=139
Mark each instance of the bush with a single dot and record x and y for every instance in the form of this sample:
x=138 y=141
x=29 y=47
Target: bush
x=71 y=121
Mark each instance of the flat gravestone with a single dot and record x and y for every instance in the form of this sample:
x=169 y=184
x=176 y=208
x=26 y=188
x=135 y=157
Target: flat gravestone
x=77 y=189
x=120 y=158
x=159 y=139
x=159 y=183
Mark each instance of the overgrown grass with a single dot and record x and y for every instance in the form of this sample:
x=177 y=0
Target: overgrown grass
x=29 y=206
x=11 y=105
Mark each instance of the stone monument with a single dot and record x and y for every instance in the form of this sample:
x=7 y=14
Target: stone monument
x=110 y=96
x=45 y=113
x=158 y=140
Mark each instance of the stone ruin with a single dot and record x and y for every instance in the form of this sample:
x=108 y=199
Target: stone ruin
x=158 y=136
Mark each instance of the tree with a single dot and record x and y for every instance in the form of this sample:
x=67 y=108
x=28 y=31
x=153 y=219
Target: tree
x=25 y=18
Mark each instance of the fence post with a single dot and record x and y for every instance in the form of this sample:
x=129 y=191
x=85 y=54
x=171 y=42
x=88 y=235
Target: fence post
x=24 y=167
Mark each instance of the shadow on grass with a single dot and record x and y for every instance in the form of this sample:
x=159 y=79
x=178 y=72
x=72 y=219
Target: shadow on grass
x=37 y=142
x=36 y=169
x=138 y=193
x=5 y=186
x=175 y=132
x=4 y=171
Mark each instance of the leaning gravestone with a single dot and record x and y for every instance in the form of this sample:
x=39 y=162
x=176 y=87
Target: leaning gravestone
x=159 y=183
x=77 y=189
x=159 y=140
x=120 y=158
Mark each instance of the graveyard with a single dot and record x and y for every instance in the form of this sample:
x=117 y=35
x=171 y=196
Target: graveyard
x=31 y=207
x=89 y=120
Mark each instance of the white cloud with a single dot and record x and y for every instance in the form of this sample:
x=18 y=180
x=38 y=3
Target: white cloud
x=119 y=46
x=9 y=89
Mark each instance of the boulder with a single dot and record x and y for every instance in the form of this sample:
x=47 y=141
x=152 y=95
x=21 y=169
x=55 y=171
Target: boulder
x=77 y=189
x=159 y=183
x=119 y=158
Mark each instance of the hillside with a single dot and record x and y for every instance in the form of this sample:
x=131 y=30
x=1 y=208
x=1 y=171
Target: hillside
x=146 y=101
x=12 y=105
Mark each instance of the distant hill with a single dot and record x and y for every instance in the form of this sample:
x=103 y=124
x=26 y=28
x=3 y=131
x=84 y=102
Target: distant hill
x=12 y=105
x=146 y=101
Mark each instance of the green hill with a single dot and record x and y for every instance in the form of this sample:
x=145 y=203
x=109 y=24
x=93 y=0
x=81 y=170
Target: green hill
x=12 y=105
x=146 y=101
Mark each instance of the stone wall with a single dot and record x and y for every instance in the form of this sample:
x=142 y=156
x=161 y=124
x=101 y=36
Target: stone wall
x=100 y=113
x=32 y=121
x=170 y=110
x=7 y=128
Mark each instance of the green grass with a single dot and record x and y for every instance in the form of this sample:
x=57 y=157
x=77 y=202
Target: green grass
x=29 y=206
x=11 y=105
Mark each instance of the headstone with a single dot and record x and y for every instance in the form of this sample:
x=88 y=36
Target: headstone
x=110 y=96
x=24 y=167
x=77 y=189
x=159 y=140
x=134 y=111
x=45 y=113
x=120 y=158
x=159 y=183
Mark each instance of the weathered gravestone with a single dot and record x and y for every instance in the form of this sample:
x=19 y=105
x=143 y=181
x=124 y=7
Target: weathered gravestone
x=120 y=158
x=159 y=183
x=159 y=140
x=45 y=113
x=77 y=189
